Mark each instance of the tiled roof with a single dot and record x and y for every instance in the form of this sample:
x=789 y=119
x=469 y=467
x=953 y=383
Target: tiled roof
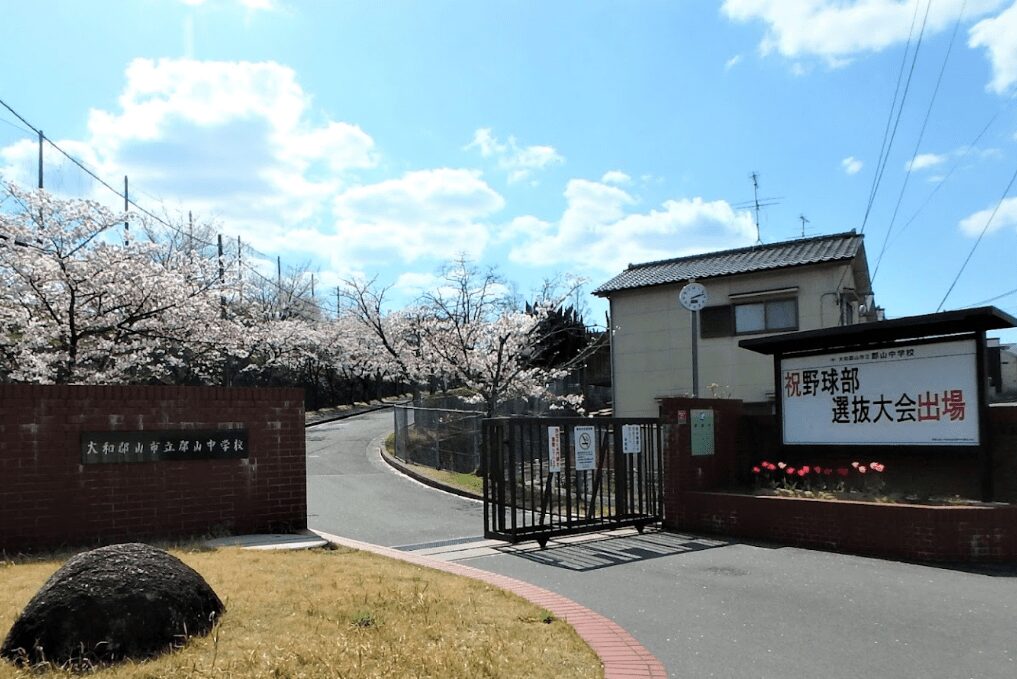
x=815 y=250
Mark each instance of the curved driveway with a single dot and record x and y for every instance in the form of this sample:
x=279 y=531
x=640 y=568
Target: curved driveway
x=353 y=493
x=704 y=607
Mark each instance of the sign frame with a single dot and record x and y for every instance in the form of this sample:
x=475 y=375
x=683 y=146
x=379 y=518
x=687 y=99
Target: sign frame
x=981 y=408
x=873 y=409
x=585 y=453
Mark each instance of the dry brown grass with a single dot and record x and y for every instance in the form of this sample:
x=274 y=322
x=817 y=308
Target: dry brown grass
x=341 y=613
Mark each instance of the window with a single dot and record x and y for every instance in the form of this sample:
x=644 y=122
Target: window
x=769 y=316
x=715 y=321
x=744 y=319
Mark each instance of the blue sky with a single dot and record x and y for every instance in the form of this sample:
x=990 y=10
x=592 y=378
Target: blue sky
x=564 y=137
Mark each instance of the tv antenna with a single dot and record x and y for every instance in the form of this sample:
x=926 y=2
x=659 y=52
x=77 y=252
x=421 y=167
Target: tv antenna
x=757 y=204
x=804 y=222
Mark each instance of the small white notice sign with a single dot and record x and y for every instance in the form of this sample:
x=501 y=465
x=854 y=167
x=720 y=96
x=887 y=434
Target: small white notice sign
x=554 y=460
x=586 y=448
x=632 y=439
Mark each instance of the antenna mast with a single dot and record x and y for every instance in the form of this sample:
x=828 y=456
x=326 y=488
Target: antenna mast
x=755 y=200
x=804 y=222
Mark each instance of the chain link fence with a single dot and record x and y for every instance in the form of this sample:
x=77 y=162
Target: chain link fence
x=438 y=438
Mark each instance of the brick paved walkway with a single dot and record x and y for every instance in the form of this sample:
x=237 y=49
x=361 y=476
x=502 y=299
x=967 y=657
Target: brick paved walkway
x=623 y=657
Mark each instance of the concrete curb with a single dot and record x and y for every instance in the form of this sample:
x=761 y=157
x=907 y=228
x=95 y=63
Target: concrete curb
x=353 y=412
x=396 y=464
x=621 y=655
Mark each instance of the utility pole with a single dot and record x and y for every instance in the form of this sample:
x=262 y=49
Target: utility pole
x=222 y=281
x=127 y=226
x=240 y=271
x=42 y=139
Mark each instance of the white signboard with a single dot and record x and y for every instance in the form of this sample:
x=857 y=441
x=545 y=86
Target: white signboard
x=586 y=448
x=632 y=439
x=912 y=395
x=554 y=460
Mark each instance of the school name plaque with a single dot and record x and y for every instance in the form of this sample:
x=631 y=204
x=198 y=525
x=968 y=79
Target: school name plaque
x=116 y=447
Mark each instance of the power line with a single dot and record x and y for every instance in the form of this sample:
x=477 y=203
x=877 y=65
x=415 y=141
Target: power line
x=991 y=299
x=979 y=240
x=888 y=136
x=921 y=135
x=32 y=129
x=953 y=168
x=15 y=126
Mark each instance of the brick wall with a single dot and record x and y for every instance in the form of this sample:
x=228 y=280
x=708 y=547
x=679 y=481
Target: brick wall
x=910 y=532
x=914 y=532
x=49 y=499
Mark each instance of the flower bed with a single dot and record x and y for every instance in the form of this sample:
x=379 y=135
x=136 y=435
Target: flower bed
x=945 y=533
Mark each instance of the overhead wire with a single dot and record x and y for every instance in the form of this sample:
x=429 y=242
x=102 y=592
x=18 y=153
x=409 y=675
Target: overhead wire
x=921 y=133
x=888 y=135
x=979 y=239
x=33 y=130
x=953 y=167
x=991 y=299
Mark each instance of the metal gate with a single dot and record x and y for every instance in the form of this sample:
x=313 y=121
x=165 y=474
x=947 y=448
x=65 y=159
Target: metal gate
x=545 y=477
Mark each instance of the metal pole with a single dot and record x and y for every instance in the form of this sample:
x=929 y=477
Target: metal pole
x=240 y=272
x=127 y=226
x=222 y=280
x=42 y=139
x=695 y=354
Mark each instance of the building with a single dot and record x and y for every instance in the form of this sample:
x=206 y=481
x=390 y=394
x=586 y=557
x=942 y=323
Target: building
x=803 y=284
x=1002 y=370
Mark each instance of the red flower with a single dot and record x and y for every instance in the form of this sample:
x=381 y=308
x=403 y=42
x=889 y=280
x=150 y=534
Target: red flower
x=804 y=470
x=790 y=471
x=862 y=469
x=855 y=465
x=755 y=470
x=764 y=464
x=843 y=471
x=877 y=467
x=817 y=469
x=827 y=472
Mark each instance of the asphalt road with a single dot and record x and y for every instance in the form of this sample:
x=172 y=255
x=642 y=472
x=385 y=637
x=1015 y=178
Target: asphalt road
x=704 y=607
x=353 y=493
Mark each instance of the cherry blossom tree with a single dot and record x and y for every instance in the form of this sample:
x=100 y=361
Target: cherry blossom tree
x=81 y=306
x=474 y=329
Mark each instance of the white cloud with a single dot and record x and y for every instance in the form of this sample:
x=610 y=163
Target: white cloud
x=998 y=36
x=972 y=225
x=835 y=30
x=233 y=140
x=616 y=177
x=925 y=160
x=249 y=5
x=518 y=161
x=599 y=231
x=413 y=284
x=424 y=214
x=732 y=62
x=851 y=165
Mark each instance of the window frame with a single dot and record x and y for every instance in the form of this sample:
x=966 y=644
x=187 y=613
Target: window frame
x=766 y=317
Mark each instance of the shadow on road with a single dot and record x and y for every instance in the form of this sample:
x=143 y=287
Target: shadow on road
x=605 y=551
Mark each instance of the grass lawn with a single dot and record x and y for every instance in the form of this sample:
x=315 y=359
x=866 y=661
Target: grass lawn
x=460 y=480
x=341 y=613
